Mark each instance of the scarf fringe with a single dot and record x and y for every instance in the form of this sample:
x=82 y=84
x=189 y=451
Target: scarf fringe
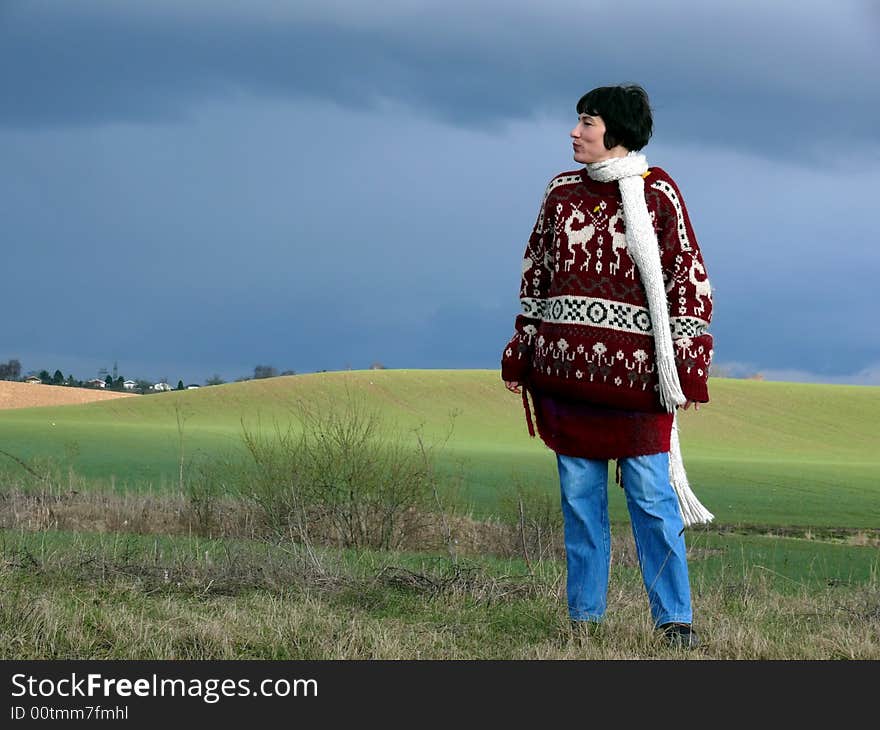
x=692 y=511
x=671 y=394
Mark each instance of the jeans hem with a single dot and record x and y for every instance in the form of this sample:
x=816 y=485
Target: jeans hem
x=586 y=617
x=673 y=620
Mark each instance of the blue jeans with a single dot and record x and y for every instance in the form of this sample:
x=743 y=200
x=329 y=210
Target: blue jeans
x=656 y=525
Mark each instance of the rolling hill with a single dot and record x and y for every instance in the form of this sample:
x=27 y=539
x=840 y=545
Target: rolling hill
x=761 y=453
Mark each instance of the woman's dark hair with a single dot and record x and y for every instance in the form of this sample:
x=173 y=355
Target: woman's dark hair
x=626 y=112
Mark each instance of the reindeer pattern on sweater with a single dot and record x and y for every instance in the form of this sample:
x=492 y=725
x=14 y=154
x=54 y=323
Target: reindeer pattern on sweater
x=585 y=330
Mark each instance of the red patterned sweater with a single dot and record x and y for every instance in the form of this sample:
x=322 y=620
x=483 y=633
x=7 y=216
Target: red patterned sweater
x=583 y=345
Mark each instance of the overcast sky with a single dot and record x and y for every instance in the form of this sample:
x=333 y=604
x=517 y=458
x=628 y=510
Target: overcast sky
x=191 y=187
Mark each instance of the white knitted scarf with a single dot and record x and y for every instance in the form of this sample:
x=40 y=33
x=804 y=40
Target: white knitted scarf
x=643 y=248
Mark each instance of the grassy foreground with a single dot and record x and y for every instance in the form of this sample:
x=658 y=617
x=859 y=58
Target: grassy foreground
x=147 y=586
x=142 y=597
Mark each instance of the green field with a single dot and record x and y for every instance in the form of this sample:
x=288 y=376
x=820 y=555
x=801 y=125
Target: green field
x=760 y=454
x=789 y=570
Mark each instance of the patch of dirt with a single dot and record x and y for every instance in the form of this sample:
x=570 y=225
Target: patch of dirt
x=29 y=395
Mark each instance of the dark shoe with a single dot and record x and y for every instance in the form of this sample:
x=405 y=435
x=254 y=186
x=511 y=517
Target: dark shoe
x=679 y=636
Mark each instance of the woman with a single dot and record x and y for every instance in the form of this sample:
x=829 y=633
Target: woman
x=612 y=254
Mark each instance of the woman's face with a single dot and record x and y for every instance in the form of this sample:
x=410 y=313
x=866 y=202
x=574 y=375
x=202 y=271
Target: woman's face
x=587 y=140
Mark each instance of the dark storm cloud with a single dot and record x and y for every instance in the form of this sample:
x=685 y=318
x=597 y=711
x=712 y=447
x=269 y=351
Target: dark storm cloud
x=779 y=79
x=197 y=187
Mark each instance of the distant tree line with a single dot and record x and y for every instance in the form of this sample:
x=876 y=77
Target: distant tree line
x=267 y=371
x=264 y=371
x=12 y=370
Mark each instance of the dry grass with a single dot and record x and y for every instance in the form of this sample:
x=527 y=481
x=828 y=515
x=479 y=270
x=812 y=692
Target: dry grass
x=150 y=576
x=104 y=511
x=283 y=602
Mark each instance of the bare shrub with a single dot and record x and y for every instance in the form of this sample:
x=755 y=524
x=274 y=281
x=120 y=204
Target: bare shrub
x=343 y=476
x=275 y=478
x=538 y=518
x=208 y=486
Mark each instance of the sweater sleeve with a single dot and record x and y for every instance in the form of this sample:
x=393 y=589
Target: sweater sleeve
x=688 y=292
x=537 y=273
